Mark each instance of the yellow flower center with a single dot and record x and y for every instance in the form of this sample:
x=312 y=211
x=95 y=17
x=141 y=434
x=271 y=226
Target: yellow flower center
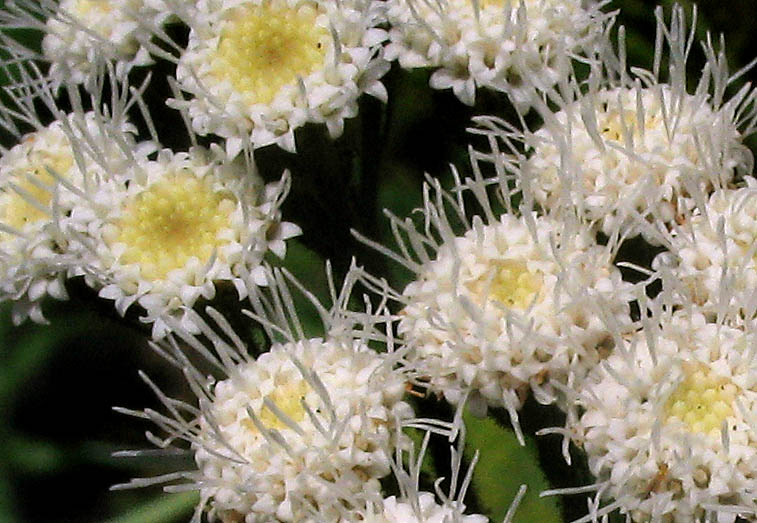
x=512 y=284
x=264 y=48
x=612 y=126
x=85 y=7
x=33 y=179
x=173 y=220
x=702 y=400
x=287 y=398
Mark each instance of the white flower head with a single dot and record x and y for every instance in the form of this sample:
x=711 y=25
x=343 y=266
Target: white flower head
x=631 y=151
x=167 y=230
x=669 y=422
x=263 y=413
x=40 y=181
x=506 y=307
x=299 y=433
x=712 y=259
x=492 y=43
x=79 y=34
x=258 y=69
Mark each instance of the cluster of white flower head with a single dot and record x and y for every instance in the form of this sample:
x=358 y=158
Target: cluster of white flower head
x=259 y=69
x=669 y=418
x=166 y=231
x=515 y=286
x=505 y=45
x=79 y=34
x=632 y=152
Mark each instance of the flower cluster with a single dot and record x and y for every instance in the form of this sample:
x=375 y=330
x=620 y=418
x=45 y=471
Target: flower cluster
x=597 y=256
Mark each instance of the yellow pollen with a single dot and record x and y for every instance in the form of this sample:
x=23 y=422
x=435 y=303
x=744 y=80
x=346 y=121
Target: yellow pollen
x=264 y=48
x=85 y=7
x=512 y=284
x=702 y=400
x=32 y=179
x=287 y=398
x=172 y=221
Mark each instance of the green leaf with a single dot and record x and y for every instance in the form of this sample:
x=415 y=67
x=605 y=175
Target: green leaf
x=162 y=509
x=309 y=268
x=502 y=468
x=33 y=457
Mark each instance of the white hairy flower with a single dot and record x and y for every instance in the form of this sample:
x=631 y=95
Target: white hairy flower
x=40 y=179
x=269 y=440
x=258 y=69
x=669 y=422
x=635 y=154
x=633 y=150
x=176 y=227
x=499 y=311
x=415 y=506
x=302 y=433
x=509 y=306
x=424 y=509
x=80 y=34
x=714 y=254
x=501 y=44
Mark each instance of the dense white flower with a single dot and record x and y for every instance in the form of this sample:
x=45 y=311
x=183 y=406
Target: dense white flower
x=41 y=178
x=257 y=477
x=492 y=43
x=510 y=305
x=713 y=257
x=258 y=69
x=164 y=232
x=302 y=432
x=669 y=422
x=632 y=151
x=29 y=257
x=79 y=34
x=643 y=151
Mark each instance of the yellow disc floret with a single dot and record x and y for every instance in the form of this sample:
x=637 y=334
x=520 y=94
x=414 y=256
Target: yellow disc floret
x=34 y=182
x=288 y=399
x=177 y=218
x=85 y=7
x=703 y=400
x=511 y=284
x=264 y=48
